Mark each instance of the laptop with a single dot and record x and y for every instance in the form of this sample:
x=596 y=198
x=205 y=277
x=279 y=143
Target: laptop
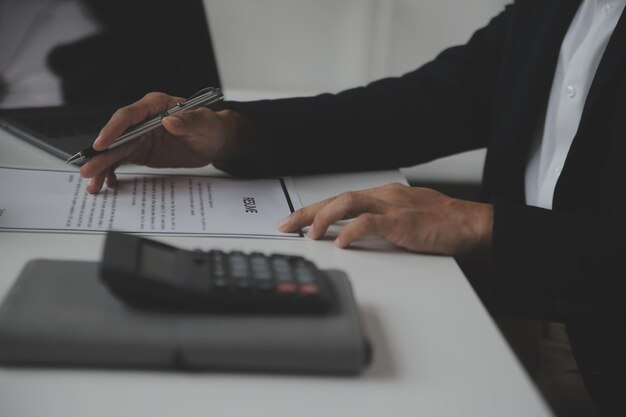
x=67 y=65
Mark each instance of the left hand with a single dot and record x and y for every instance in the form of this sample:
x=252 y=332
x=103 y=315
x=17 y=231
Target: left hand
x=417 y=219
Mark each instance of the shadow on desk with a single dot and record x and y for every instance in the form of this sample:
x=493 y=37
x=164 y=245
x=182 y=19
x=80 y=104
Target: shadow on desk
x=370 y=243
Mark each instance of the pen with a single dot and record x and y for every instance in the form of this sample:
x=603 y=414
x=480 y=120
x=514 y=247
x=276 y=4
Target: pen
x=203 y=97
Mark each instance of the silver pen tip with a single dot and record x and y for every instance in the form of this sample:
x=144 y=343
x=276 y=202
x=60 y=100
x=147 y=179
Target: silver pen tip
x=73 y=158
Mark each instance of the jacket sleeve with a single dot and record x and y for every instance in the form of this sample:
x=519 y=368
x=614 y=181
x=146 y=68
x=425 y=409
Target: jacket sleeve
x=442 y=108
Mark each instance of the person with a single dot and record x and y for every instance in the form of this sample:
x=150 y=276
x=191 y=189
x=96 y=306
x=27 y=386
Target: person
x=542 y=86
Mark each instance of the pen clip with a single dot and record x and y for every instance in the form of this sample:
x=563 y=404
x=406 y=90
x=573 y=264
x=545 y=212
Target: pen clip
x=181 y=104
x=195 y=100
x=200 y=92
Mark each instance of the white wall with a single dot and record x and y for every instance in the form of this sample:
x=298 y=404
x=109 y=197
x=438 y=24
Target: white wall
x=286 y=47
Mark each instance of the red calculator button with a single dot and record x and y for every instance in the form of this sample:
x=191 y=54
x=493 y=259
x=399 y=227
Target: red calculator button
x=309 y=289
x=286 y=288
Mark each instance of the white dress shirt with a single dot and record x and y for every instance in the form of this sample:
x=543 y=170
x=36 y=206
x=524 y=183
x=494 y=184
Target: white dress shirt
x=581 y=51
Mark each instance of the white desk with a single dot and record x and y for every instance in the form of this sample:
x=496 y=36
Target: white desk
x=436 y=351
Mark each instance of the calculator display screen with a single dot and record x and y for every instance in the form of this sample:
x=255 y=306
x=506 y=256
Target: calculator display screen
x=158 y=262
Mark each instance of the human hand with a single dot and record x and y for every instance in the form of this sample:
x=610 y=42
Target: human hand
x=190 y=138
x=417 y=219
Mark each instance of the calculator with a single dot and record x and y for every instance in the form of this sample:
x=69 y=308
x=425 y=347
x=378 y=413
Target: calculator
x=148 y=274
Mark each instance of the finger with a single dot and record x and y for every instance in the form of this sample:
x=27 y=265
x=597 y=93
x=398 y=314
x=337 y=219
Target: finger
x=345 y=206
x=150 y=105
x=302 y=217
x=365 y=225
x=198 y=121
x=113 y=157
x=108 y=176
x=95 y=184
x=111 y=177
x=348 y=204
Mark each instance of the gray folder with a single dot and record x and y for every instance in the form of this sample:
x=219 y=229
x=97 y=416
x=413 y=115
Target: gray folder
x=58 y=313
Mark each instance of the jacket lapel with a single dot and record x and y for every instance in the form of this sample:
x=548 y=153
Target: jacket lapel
x=531 y=80
x=613 y=57
x=544 y=40
x=584 y=159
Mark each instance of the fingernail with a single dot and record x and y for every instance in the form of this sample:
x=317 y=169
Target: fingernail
x=96 y=142
x=282 y=225
x=174 y=121
x=309 y=234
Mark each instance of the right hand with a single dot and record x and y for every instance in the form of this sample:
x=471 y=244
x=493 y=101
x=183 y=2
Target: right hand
x=190 y=138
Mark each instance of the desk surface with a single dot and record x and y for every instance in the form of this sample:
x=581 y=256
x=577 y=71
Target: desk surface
x=436 y=350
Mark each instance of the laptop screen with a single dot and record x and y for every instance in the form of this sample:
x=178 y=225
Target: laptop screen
x=80 y=53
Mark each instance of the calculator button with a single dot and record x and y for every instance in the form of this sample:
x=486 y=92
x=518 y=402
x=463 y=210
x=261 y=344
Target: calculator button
x=282 y=269
x=260 y=264
x=261 y=275
x=286 y=288
x=309 y=290
x=218 y=271
x=242 y=284
x=282 y=276
x=237 y=260
x=265 y=285
x=198 y=256
x=261 y=272
x=217 y=258
x=220 y=284
x=304 y=275
x=239 y=270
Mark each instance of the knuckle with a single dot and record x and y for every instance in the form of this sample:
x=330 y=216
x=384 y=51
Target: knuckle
x=393 y=186
x=397 y=188
x=347 y=198
x=202 y=117
x=391 y=191
x=367 y=220
x=184 y=116
x=155 y=96
x=196 y=116
x=323 y=217
x=122 y=112
x=298 y=215
x=202 y=112
x=421 y=190
x=157 y=100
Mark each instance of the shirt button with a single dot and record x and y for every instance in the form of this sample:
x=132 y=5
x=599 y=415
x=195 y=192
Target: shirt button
x=558 y=170
x=608 y=8
x=571 y=91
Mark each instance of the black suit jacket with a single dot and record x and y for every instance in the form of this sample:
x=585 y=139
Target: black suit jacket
x=567 y=264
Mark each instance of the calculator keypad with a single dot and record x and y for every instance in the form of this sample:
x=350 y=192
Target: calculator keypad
x=260 y=279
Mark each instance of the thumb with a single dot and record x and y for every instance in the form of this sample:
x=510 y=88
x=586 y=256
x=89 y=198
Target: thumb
x=197 y=121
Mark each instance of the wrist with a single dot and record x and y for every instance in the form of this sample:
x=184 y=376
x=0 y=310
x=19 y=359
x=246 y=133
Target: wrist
x=238 y=137
x=484 y=229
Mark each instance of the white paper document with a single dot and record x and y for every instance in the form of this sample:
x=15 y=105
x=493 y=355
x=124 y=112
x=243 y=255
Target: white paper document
x=36 y=200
